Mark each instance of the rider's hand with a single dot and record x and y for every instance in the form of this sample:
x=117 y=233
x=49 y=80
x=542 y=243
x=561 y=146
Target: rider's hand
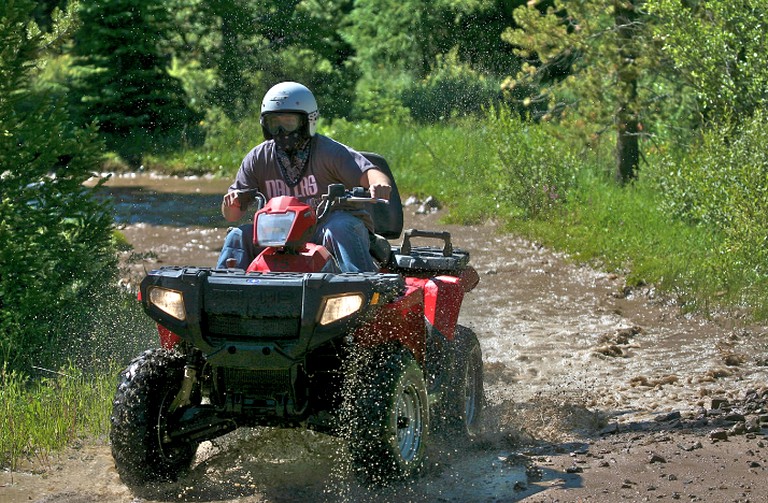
x=232 y=206
x=231 y=199
x=380 y=191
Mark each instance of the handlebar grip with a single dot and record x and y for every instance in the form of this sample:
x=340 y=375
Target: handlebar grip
x=248 y=196
x=367 y=200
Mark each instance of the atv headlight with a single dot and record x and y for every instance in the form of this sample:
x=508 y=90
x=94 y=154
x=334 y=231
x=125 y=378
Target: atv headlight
x=274 y=229
x=168 y=301
x=336 y=308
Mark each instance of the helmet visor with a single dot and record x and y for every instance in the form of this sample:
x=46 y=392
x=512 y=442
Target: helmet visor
x=287 y=122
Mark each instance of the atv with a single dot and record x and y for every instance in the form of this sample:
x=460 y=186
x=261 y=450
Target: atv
x=377 y=358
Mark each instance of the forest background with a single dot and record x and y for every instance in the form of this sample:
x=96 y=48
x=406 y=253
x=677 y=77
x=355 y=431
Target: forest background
x=629 y=133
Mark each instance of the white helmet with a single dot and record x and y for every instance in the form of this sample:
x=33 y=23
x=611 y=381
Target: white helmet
x=291 y=97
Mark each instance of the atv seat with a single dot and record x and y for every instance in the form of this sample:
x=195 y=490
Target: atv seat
x=387 y=218
x=388 y=224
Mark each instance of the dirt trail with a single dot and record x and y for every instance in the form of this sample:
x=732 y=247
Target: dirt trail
x=597 y=393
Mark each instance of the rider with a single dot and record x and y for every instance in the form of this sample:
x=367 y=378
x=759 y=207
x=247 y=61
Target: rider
x=295 y=161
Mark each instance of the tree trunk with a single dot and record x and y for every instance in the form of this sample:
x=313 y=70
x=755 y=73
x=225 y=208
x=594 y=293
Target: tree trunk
x=627 y=121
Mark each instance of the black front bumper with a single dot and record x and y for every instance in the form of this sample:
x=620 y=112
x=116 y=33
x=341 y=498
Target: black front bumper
x=265 y=321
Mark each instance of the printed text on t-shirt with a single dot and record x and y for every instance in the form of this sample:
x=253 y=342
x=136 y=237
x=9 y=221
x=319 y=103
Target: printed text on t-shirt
x=306 y=187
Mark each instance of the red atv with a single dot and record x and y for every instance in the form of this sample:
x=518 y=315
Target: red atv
x=375 y=357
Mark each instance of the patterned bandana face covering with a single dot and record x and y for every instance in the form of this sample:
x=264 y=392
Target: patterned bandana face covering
x=293 y=162
x=289 y=142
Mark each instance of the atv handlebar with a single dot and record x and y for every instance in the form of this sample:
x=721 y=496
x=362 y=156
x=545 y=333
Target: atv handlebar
x=247 y=196
x=338 y=193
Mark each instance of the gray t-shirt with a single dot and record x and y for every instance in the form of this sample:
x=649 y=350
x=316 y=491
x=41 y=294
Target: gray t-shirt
x=329 y=162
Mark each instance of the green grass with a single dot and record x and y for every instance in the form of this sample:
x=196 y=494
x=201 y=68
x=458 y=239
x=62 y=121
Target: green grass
x=427 y=160
x=624 y=231
x=41 y=416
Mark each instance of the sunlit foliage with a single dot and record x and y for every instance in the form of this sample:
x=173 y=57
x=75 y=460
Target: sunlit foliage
x=55 y=237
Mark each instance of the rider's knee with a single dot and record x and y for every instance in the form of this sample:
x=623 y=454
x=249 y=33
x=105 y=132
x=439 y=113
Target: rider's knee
x=344 y=224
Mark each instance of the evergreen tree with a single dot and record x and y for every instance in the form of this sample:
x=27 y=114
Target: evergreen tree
x=591 y=62
x=237 y=49
x=55 y=236
x=232 y=51
x=122 y=80
x=321 y=56
x=437 y=57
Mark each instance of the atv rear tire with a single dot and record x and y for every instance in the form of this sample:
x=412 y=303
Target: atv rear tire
x=465 y=401
x=139 y=420
x=388 y=415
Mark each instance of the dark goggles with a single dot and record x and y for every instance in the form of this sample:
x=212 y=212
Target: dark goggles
x=287 y=122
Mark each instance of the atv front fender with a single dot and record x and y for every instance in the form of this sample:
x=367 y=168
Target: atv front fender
x=402 y=320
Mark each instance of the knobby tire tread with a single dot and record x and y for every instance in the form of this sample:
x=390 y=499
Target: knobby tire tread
x=135 y=411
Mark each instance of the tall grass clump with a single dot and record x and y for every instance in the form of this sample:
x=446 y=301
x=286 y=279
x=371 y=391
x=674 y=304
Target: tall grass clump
x=226 y=143
x=533 y=172
x=626 y=230
x=438 y=160
x=41 y=416
x=498 y=166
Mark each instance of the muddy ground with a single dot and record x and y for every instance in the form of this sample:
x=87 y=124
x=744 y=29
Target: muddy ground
x=596 y=392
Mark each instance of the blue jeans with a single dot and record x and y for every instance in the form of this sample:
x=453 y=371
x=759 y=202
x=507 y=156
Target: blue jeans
x=343 y=234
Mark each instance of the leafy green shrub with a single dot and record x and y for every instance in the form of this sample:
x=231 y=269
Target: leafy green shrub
x=717 y=51
x=380 y=102
x=722 y=183
x=534 y=171
x=451 y=89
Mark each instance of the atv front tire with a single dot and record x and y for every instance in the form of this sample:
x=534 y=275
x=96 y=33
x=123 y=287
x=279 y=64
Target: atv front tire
x=389 y=415
x=140 y=420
